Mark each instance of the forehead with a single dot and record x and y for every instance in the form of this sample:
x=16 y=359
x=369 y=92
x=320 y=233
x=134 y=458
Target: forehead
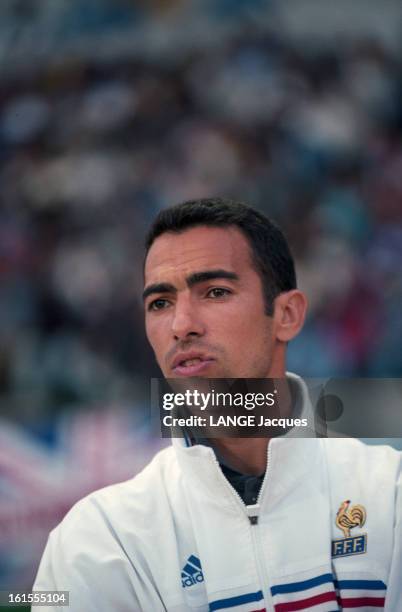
x=197 y=249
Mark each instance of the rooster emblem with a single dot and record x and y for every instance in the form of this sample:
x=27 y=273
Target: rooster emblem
x=348 y=518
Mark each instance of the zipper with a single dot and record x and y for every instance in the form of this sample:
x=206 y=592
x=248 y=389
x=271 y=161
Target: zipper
x=263 y=486
x=228 y=485
x=252 y=513
x=261 y=565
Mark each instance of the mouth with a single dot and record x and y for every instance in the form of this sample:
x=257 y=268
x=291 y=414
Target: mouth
x=191 y=365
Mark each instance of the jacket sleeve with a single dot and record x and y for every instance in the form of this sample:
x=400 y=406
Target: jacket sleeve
x=394 y=587
x=83 y=556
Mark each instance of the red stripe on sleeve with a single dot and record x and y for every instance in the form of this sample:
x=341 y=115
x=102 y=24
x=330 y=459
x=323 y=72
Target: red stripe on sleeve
x=303 y=604
x=356 y=602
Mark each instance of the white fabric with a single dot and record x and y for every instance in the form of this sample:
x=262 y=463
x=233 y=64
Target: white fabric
x=123 y=548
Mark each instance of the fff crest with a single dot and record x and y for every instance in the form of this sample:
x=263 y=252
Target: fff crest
x=348 y=518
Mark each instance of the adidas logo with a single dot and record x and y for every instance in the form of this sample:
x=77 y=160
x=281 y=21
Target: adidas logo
x=191 y=572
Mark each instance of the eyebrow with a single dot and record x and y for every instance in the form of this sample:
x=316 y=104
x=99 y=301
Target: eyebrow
x=193 y=279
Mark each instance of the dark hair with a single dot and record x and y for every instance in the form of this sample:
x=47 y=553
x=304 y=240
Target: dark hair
x=271 y=255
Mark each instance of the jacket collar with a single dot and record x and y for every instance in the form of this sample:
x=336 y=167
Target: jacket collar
x=290 y=459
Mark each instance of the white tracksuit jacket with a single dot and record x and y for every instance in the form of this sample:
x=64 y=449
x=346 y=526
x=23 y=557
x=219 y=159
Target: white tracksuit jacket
x=178 y=537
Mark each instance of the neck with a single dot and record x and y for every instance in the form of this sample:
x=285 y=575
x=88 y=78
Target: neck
x=245 y=455
x=249 y=455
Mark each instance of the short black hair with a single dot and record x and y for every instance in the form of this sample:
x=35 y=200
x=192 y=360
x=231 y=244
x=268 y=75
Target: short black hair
x=271 y=255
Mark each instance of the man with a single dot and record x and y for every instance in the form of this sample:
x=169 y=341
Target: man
x=240 y=524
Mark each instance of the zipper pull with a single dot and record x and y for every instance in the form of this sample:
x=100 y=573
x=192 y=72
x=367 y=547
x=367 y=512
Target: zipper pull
x=253 y=512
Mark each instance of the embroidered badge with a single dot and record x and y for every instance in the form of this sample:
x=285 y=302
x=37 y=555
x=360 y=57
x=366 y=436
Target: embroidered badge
x=347 y=519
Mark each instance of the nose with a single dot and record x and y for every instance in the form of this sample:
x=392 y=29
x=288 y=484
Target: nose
x=186 y=322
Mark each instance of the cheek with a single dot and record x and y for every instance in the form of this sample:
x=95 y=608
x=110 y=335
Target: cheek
x=153 y=332
x=240 y=320
x=249 y=333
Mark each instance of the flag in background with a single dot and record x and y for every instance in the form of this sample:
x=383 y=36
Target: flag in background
x=41 y=477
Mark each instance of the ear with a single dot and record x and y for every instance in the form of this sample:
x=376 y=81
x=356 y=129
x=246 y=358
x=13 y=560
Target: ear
x=289 y=314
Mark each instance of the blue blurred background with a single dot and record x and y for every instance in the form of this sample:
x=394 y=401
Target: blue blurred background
x=113 y=109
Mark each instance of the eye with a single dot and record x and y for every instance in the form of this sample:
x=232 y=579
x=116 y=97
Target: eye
x=158 y=304
x=218 y=292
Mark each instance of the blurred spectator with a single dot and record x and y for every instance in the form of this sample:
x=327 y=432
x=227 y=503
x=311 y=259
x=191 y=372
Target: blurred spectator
x=91 y=150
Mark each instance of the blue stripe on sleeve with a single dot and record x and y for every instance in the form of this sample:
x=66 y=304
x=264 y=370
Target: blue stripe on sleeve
x=371 y=585
x=294 y=587
x=220 y=604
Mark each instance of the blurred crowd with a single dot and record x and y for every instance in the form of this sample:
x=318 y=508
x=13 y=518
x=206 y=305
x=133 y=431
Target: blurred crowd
x=91 y=148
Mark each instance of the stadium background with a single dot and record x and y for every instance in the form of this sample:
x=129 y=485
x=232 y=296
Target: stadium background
x=110 y=110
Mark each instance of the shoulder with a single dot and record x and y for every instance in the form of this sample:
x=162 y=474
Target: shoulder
x=374 y=471
x=349 y=452
x=125 y=505
x=105 y=545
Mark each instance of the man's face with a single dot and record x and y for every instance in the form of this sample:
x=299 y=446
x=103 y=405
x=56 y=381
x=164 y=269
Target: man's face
x=205 y=312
